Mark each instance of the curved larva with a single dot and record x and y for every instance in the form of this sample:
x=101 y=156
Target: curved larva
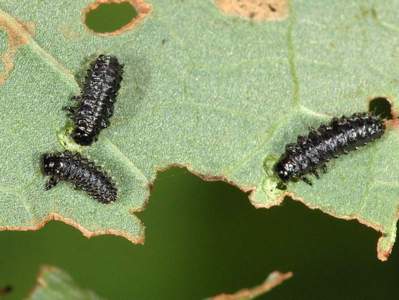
x=95 y=105
x=82 y=173
x=329 y=141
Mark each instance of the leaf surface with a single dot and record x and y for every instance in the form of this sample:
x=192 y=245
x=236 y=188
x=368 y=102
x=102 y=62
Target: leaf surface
x=53 y=284
x=220 y=95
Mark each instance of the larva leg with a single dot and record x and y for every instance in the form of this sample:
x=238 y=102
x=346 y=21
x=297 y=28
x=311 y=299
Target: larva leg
x=306 y=180
x=324 y=168
x=290 y=148
x=314 y=172
x=335 y=122
x=281 y=186
x=70 y=110
x=313 y=134
x=302 y=139
x=52 y=182
x=77 y=98
x=103 y=123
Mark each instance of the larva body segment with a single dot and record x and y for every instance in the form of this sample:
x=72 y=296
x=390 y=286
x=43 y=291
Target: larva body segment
x=96 y=103
x=82 y=173
x=329 y=141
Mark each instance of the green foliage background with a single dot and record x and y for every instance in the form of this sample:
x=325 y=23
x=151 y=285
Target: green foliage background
x=203 y=239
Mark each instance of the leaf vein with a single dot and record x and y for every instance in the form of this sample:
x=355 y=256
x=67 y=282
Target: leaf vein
x=115 y=150
x=291 y=57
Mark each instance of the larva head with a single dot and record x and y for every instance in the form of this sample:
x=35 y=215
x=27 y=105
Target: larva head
x=107 y=59
x=50 y=164
x=81 y=137
x=377 y=127
x=284 y=169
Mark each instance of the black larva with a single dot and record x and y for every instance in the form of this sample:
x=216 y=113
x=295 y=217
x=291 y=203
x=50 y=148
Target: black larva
x=340 y=136
x=81 y=172
x=96 y=103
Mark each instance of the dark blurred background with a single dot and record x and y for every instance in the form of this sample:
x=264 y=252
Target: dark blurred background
x=204 y=238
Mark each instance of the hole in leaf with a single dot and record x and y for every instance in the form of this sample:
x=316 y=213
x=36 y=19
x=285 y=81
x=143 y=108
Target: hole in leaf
x=110 y=17
x=382 y=107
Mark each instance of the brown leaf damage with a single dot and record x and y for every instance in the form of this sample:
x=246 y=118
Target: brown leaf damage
x=18 y=34
x=274 y=279
x=86 y=232
x=257 y=10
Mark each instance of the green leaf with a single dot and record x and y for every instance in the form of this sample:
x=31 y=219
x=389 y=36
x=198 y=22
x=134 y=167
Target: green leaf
x=53 y=284
x=274 y=279
x=220 y=95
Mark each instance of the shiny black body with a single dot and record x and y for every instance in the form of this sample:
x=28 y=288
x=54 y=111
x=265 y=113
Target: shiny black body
x=329 y=141
x=96 y=103
x=81 y=172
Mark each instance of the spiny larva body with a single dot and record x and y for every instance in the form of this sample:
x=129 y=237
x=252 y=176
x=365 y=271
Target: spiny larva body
x=96 y=103
x=82 y=173
x=329 y=141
